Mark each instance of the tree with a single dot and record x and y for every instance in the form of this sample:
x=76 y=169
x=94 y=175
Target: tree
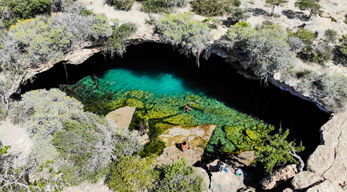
x=266 y=47
x=25 y=9
x=275 y=3
x=312 y=5
x=276 y=151
x=190 y=36
x=178 y=177
x=131 y=173
x=237 y=14
x=211 y=8
x=116 y=42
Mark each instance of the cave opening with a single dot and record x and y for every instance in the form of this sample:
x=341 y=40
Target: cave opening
x=217 y=79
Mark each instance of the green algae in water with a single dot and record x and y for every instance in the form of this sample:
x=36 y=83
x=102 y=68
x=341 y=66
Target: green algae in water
x=160 y=98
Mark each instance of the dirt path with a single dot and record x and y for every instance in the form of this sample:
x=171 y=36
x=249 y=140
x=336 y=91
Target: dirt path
x=11 y=134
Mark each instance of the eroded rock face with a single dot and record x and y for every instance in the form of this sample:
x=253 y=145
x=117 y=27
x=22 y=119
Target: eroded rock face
x=279 y=175
x=198 y=138
x=329 y=160
x=241 y=160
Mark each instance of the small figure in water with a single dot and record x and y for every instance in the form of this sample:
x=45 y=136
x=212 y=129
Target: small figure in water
x=187 y=108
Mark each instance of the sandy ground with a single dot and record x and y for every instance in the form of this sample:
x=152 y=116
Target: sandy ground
x=14 y=135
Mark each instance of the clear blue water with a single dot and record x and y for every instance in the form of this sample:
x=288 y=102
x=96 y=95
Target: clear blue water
x=161 y=83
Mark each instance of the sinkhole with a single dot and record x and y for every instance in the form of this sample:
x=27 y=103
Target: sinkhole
x=159 y=69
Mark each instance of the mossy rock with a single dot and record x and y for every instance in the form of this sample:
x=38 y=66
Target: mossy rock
x=155 y=146
x=161 y=127
x=137 y=94
x=182 y=119
x=252 y=134
x=222 y=111
x=197 y=107
x=134 y=103
x=161 y=111
x=115 y=104
x=193 y=97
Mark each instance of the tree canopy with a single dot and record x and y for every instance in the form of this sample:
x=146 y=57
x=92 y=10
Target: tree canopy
x=181 y=31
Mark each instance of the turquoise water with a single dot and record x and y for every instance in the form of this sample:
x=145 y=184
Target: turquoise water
x=159 y=82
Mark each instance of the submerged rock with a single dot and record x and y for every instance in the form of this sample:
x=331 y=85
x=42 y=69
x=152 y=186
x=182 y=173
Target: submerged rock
x=279 y=175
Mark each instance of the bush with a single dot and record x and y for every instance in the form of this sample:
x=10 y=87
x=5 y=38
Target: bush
x=121 y=4
x=161 y=6
x=190 y=36
x=211 y=8
x=266 y=48
x=59 y=5
x=178 y=177
x=296 y=44
x=115 y=44
x=86 y=143
x=276 y=151
x=330 y=36
x=32 y=42
x=25 y=9
x=130 y=173
x=314 y=51
x=237 y=14
x=311 y=5
x=334 y=91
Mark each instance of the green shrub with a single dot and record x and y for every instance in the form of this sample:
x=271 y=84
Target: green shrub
x=87 y=147
x=25 y=9
x=180 y=30
x=32 y=42
x=161 y=6
x=265 y=47
x=315 y=52
x=275 y=151
x=312 y=5
x=211 y=8
x=330 y=36
x=115 y=44
x=343 y=45
x=130 y=173
x=121 y=4
x=178 y=177
x=182 y=119
x=334 y=91
x=236 y=14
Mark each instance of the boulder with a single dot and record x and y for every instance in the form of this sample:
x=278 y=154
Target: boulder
x=326 y=186
x=279 y=175
x=226 y=182
x=241 y=160
x=202 y=172
x=197 y=136
x=288 y=190
x=121 y=117
x=305 y=179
